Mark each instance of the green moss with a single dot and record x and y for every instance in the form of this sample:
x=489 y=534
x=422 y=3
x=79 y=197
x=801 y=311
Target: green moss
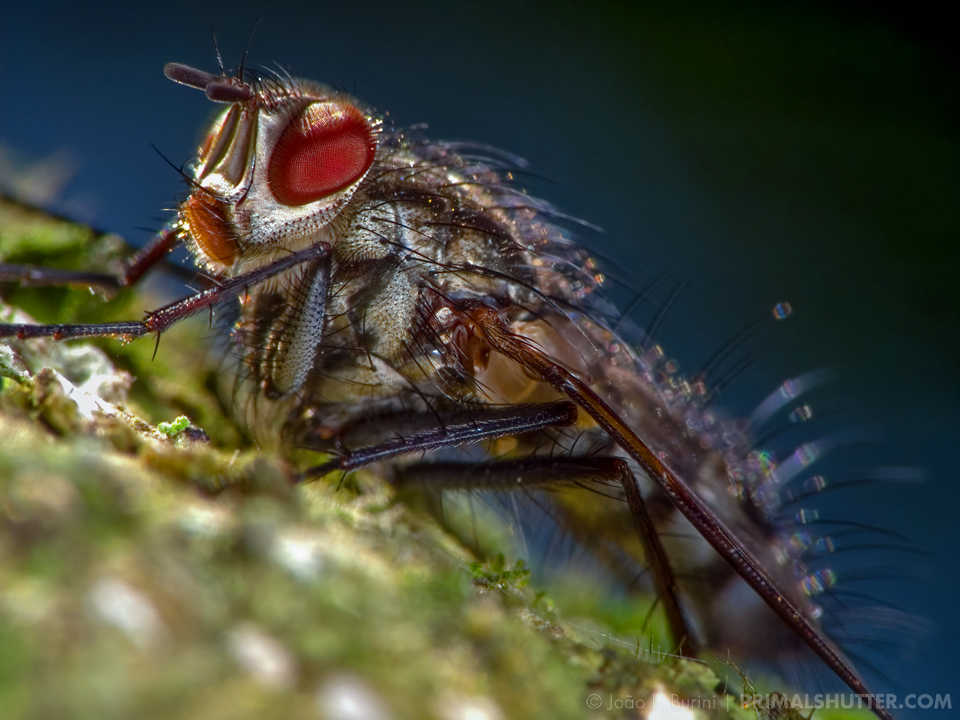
x=172 y=429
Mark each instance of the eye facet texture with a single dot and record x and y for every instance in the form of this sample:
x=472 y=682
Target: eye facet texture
x=328 y=147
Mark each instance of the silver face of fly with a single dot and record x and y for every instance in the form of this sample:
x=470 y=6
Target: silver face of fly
x=401 y=298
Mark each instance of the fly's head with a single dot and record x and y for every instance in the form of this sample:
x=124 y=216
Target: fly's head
x=276 y=170
x=279 y=171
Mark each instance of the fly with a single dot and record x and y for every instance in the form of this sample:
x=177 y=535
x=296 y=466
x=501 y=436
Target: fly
x=399 y=298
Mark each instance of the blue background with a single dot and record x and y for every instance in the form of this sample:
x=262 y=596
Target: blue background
x=762 y=154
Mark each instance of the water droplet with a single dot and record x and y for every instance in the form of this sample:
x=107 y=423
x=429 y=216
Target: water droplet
x=824 y=546
x=798 y=542
x=654 y=354
x=806 y=454
x=818 y=581
x=811 y=585
x=781 y=311
x=790 y=389
x=807 y=515
x=801 y=414
x=766 y=462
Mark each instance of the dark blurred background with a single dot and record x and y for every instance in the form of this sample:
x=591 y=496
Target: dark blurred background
x=796 y=151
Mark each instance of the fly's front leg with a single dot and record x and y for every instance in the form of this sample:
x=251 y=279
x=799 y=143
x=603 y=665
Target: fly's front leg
x=546 y=473
x=147 y=257
x=162 y=319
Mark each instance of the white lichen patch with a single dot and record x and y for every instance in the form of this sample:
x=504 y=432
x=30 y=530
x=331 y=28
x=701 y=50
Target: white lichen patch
x=262 y=656
x=300 y=552
x=88 y=403
x=348 y=697
x=8 y=366
x=129 y=610
x=200 y=519
x=469 y=708
x=86 y=377
x=310 y=552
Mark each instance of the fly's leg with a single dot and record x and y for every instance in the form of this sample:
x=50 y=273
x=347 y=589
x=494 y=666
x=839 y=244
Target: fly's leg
x=493 y=423
x=160 y=320
x=147 y=257
x=488 y=324
x=545 y=473
x=34 y=276
x=453 y=431
x=142 y=261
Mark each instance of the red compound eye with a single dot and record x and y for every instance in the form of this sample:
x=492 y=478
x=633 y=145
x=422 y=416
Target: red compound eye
x=330 y=146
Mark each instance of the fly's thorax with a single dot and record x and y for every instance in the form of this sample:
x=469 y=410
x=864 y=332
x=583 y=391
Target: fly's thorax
x=416 y=236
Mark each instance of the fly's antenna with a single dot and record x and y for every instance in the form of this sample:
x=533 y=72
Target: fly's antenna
x=216 y=49
x=217 y=88
x=246 y=49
